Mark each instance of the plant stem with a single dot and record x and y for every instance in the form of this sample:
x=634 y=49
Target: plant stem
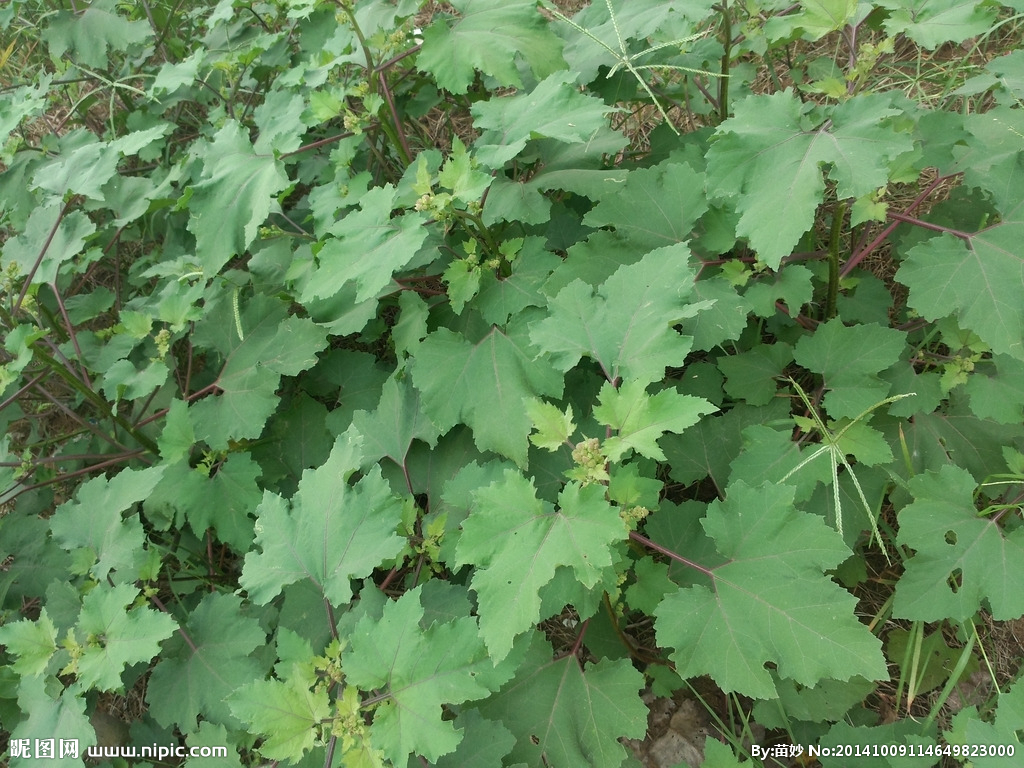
x=833 y=261
x=723 y=81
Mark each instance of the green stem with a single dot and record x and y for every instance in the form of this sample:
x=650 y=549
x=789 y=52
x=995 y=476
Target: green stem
x=723 y=81
x=833 y=261
x=75 y=383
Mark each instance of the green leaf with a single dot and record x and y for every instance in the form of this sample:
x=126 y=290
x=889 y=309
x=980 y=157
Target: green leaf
x=329 y=533
x=999 y=397
x=553 y=426
x=280 y=124
x=930 y=23
x=368 y=247
x=977 y=281
x=768 y=158
x=641 y=419
x=969 y=728
x=57 y=239
x=222 y=502
x=555 y=109
x=816 y=18
x=655 y=207
x=463 y=280
x=483 y=385
x=397 y=421
x=86 y=169
x=708 y=448
x=47 y=712
x=729 y=626
x=753 y=375
x=850 y=359
x=194 y=677
x=564 y=715
x=108 y=542
x=112 y=635
x=626 y=328
x=417 y=672
x=517 y=541
x=286 y=712
x=33 y=642
x=275 y=345
x=484 y=742
x=960 y=559
x=233 y=197
x=489 y=35
x=92 y=34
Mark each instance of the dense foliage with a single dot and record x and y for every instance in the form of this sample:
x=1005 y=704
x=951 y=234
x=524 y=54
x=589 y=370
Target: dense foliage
x=390 y=383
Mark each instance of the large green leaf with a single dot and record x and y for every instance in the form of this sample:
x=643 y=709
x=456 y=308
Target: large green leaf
x=368 y=247
x=977 y=280
x=398 y=420
x=417 y=671
x=288 y=712
x=113 y=634
x=730 y=626
x=110 y=542
x=489 y=35
x=33 y=644
x=767 y=159
x=91 y=35
x=565 y=715
x=233 y=197
x=329 y=533
x=274 y=344
x=849 y=358
x=516 y=541
x=484 y=385
x=960 y=559
x=555 y=109
x=930 y=23
x=195 y=676
x=626 y=328
x=654 y=207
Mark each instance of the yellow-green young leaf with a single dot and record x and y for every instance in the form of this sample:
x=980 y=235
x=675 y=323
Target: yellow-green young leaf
x=640 y=419
x=463 y=279
x=32 y=642
x=552 y=426
x=960 y=560
x=418 y=672
x=728 y=626
x=489 y=35
x=286 y=713
x=517 y=541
